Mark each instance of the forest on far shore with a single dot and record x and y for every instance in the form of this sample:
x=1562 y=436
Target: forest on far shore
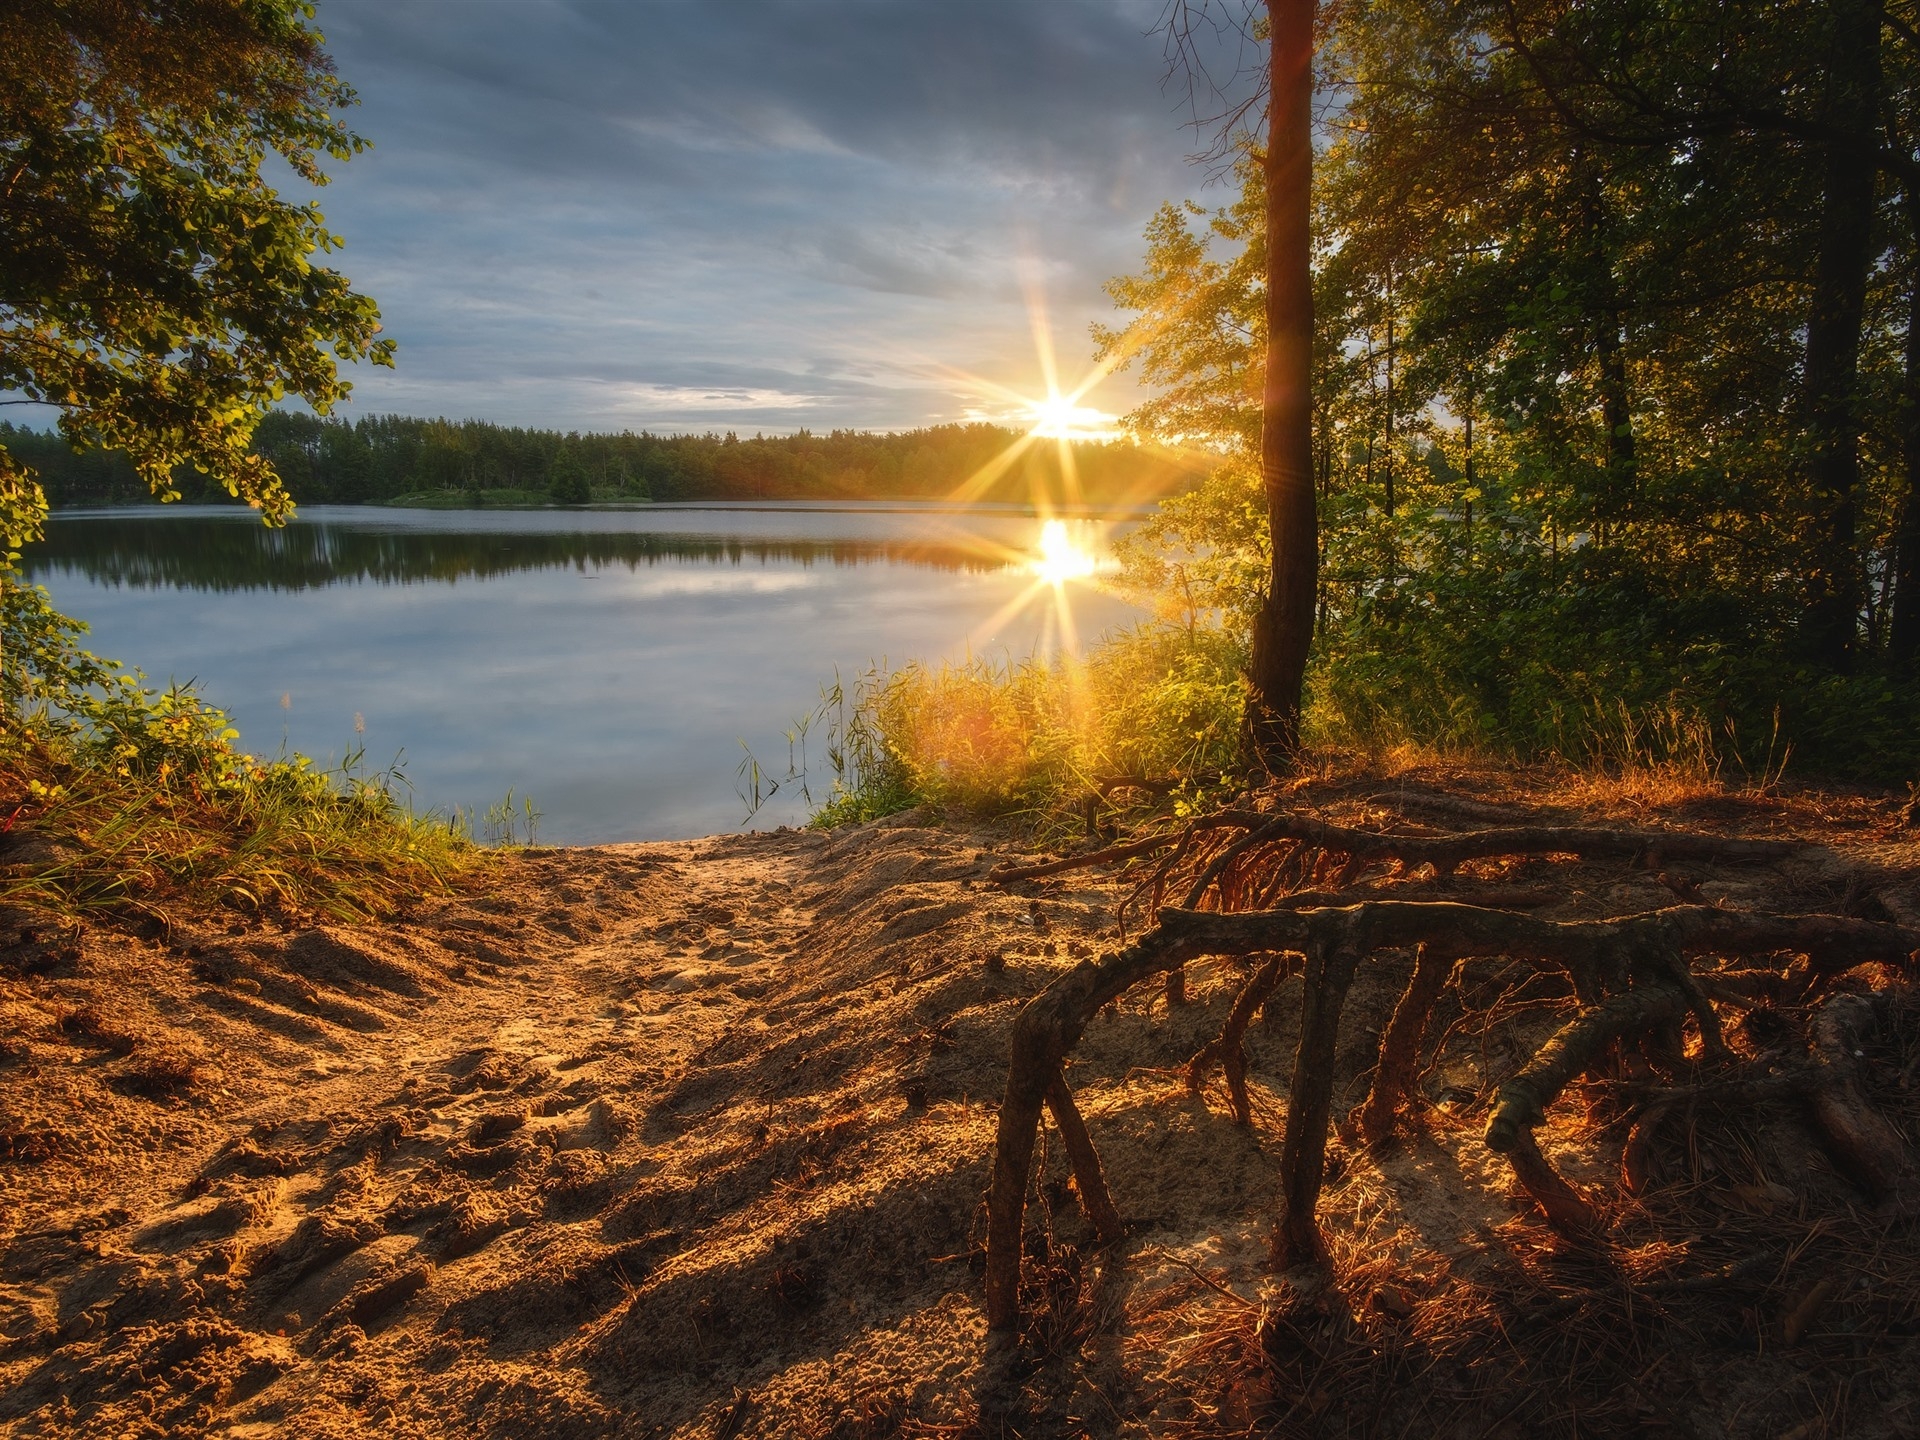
x=386 y=458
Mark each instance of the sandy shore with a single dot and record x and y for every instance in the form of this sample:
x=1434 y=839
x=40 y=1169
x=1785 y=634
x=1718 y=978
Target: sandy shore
x=687 y=1139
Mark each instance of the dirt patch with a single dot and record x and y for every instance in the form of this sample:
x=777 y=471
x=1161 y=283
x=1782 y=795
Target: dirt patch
x=692 y=1139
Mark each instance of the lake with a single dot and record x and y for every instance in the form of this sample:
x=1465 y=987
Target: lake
x=606 y=663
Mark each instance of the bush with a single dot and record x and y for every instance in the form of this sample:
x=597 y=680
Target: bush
x=1533 y=656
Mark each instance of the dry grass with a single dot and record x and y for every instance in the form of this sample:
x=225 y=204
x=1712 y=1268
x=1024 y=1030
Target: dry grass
x=1748 y=1271
x=84 y=837
x=160 y=1070
x=87 y=1023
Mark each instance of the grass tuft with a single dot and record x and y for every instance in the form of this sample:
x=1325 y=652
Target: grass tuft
x=1029 y=739
x=87 y=1023
x=280 y=836
x=162 y=1070
x=117 y=797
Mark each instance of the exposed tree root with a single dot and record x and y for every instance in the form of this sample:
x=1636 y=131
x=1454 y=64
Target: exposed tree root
x=1868 y=1148
x=1112 y=855
x=1443 y=852
x=1303 y=1145
x=1636 y=1156
x=1524 y=1099
x=1658 y=1105
x=1565 y=1208
x=1088 y=1178
x=1228 y=1049
x=1631 y=975
x=1400 y=1044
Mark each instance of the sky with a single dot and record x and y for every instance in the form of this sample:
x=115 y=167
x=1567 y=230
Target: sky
x=751 y=215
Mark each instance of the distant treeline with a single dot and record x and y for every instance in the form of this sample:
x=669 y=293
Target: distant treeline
x=389 y=457
x=188 y=553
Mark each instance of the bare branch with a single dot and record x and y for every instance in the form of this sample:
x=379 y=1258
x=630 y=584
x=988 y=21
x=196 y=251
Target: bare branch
x=1196 y=35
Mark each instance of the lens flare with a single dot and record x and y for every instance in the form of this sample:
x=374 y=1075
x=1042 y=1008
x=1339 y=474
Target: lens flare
x=1062 y=417
x=1060 y=559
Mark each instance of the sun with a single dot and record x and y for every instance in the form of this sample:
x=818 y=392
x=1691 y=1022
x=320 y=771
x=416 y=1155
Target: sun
x=1063 y=417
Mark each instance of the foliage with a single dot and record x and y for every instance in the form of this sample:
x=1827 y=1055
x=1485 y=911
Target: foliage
x=868 y=780
x=135 y=797
x=567 y=480
x=1582 y=291
x=159 y=291
x=1031 y=738
x=509 y=824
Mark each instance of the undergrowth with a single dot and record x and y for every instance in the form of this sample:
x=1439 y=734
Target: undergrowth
x=115 y=795
x=1027 y=739
x=1151 y=719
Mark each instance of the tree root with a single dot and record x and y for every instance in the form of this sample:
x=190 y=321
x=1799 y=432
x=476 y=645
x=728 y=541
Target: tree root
x=1566 y=1209
x=1626 y=970
x=1868 y=1148
x=1303 y=1144
x=1400 y=1044
x=1046 y=1029
x=1112 y=855
x=1360 y=848
x=1088 y=1178
x=1228 y=1049
x=1524 y=1099
x=1443 y=852
x=1636 y=1156
x=1659 y=1104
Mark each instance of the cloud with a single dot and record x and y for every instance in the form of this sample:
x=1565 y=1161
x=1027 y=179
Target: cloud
x=758 y=213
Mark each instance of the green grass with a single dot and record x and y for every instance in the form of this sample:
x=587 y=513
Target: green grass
x=279 y=836
x=1038 y=741
x=116 y=796
x=1031 y=740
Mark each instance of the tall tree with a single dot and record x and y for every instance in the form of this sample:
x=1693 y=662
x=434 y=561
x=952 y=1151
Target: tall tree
x=1283 y=625
x=1851 y=112
x=1904 y=639
x=1657 y=253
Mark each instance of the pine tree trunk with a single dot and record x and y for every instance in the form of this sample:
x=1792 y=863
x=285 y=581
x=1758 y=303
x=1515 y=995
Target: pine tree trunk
x=1904 y=639
x=1616 y=413
x=1834 y=326
x=1603 y=308
x=1283 y=627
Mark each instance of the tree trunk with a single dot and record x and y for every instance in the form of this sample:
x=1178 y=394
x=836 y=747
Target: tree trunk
x=1616 y=413
x=1603 y=310
x=1904 y=637
x=1834 y=326
x=1389 y=496
x=1469 y=486
x=1283 y=628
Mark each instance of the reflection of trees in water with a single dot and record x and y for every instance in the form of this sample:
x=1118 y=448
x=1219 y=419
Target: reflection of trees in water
x=199 y=554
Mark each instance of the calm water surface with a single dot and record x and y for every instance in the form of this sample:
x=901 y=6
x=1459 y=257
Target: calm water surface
x=606 y=663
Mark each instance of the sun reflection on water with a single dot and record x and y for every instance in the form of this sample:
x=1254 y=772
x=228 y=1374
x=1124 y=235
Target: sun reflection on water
x=1060 y=558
